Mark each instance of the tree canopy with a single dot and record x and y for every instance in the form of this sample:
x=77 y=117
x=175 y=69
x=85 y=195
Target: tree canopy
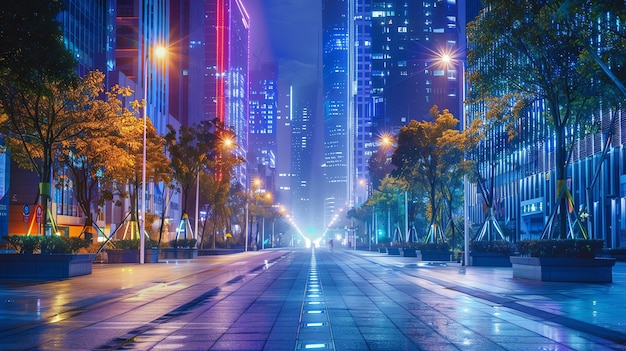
x=428 y=156
x=541 y=50
x=31 y=49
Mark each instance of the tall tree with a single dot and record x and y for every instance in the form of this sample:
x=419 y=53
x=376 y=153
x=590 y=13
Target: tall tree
x=36 y=71
x=32 y=52
x=539 y=53
x=490 y=138
x=218 y=188
x=40 y=121
x=86 y=156
x=387 y=198
x=428 y=154
x=127 y=174
x=195 y=149
x=379 y=165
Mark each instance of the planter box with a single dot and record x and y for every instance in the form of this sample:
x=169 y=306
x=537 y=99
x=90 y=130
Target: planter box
x=382 y=250
x=408 y=252
x=178 y=253
x=586 y=270
x=45 y=267
x=435 y=256
x=131 y=256
x=212 y=252
x=393 y=251
x=490 y=259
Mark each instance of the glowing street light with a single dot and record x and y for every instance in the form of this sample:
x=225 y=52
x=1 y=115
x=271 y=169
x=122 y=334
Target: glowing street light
x=446 y=59
x=159 y=52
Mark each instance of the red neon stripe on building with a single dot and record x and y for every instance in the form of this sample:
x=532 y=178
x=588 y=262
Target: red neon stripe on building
x=220 y=59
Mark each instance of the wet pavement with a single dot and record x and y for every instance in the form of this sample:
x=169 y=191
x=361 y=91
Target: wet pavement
x=298 y=299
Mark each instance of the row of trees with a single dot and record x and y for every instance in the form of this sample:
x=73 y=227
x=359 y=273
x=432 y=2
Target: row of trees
x=564 y=59
x=89 y=135
x=425 y=164
x=52 y=119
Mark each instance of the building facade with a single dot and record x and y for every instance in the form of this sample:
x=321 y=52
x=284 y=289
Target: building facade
x=525 y=180
x=262 y=125
x=338 y=123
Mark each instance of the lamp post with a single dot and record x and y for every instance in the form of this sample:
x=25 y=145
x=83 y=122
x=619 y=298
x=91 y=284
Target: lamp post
x=159 y=52
x=246 y=230
x=446 y=58
x=256 y=182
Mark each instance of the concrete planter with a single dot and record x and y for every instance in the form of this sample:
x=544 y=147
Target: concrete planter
x=45 y=267
x=213 y=252
x=393 y=251
x=490 y=259
x=435 y=256
x=408 y=252
x=178 y=253
x=382 y=250
x=585 y=270
x=132 y=256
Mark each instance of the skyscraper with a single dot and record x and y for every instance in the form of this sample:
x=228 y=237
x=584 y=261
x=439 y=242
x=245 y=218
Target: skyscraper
x=262 y=125
x=361 y=95
x=382 y=68
x=219 y=77
x=408 y=78
x=336 y=24
x=301 y=156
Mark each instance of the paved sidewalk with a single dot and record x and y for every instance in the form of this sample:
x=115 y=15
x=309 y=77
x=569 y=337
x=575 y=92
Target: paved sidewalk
x=302 y=299
x=596 y=309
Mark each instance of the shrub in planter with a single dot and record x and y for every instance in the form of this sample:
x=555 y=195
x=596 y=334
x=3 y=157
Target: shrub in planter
x=180 y=249
x=498 y=246
x=571 y=248
x=434 y=252
x=45 y=257
x=127 y=250
x=491 y=253
x=124 y=244
x=54 y=244
x=183 y=243
x=22 y=243
x=429 y=247
x=571 y=260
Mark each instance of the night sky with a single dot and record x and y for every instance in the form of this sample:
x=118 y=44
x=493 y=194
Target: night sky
x=288 y=32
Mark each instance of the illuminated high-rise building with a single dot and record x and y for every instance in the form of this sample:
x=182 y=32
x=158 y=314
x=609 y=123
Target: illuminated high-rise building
x=382 y=68
x=262 y=126
x=337 y=103
x=524 y=177
x=302 y=154
x=408 y=78
x=220 y=45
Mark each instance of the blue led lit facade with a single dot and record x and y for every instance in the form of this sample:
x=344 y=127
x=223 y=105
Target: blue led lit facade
x=526 y=182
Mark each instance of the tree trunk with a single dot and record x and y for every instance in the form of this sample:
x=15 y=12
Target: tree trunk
x=561 y=182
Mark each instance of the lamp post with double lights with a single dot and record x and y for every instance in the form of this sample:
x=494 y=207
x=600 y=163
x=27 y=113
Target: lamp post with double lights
x=159 y=52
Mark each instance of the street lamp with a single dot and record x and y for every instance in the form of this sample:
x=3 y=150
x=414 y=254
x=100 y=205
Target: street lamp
x=256 y=182
x=446 y=59
x=268 y=196
x=159 y=52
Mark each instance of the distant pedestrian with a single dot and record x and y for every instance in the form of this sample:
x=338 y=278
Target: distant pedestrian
x=331 y=244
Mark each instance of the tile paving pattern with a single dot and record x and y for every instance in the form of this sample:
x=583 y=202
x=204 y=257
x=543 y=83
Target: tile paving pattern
x=298 y=299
